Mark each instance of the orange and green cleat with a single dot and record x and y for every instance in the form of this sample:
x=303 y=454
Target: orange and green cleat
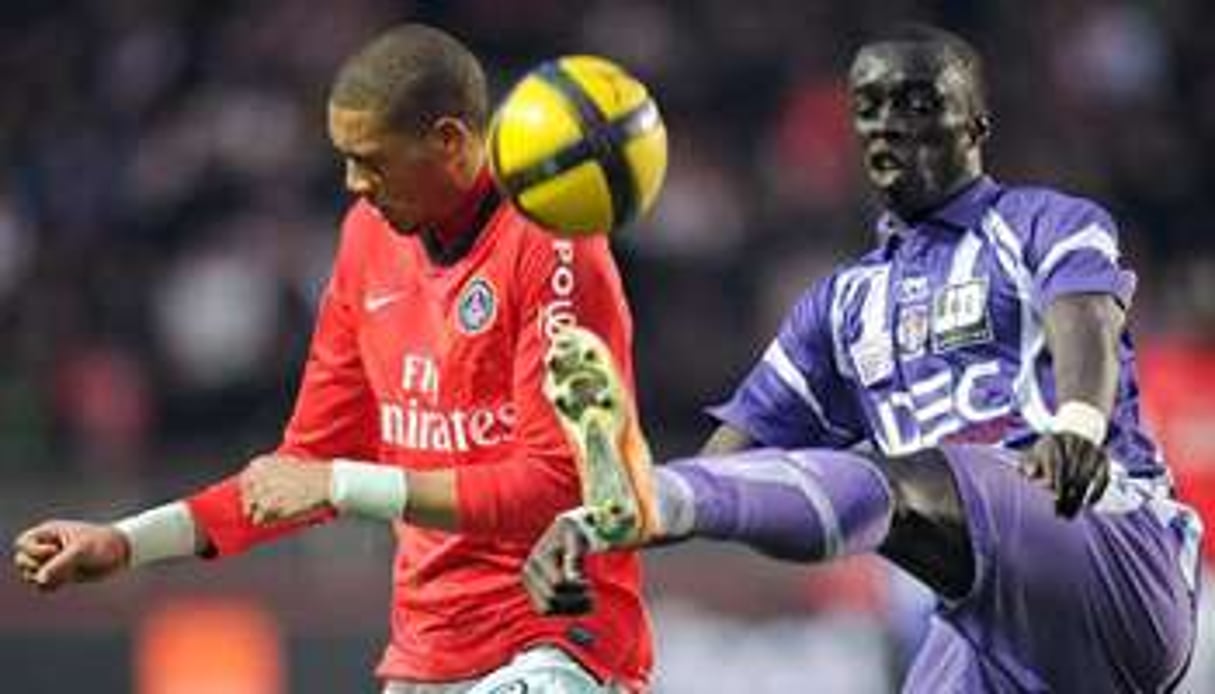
x=600 y=420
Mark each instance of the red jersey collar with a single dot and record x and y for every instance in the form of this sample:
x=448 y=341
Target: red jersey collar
x=450 y=239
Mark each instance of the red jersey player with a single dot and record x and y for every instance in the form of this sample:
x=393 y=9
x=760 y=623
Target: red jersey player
x=421 y=401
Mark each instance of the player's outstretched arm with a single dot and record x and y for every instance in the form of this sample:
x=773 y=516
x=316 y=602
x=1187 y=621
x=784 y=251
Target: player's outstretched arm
x=54 y=553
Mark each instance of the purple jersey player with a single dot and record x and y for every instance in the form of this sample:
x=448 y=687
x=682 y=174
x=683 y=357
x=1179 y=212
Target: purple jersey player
x=979 y=355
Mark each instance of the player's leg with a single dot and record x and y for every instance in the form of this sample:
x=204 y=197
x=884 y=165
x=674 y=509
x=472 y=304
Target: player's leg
x=600 y=422
x=809 y=505
x=948 y=662
x=1095 y=604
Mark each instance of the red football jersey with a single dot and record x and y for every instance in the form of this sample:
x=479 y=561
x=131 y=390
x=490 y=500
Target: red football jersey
x=429 y=365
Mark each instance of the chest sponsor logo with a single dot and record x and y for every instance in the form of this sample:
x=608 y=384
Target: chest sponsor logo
x=476 y=307
x=417 y=426
x=912 y=331
x=941 y=405
x=419 y=419
x=959 y=315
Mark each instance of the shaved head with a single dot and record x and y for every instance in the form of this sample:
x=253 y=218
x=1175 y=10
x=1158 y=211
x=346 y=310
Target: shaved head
x=947 y=52
x=919 y=108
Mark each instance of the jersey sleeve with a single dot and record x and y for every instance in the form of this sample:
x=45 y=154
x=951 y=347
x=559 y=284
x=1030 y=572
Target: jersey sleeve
x=1074 y=250
x=795 y=396
x=561 y=282
x=333 y=417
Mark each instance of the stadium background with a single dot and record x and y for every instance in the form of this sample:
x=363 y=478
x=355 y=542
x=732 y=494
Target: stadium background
x=167 y=209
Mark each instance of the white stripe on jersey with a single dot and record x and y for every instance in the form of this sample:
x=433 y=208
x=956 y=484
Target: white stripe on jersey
x=1012 y=258
x=846 y=286
x=965 y=256
x=1092 y=237
x=777 y=358
x=873 y=310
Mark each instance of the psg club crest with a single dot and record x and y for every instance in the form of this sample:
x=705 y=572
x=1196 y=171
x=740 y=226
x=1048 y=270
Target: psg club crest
x=476 y=307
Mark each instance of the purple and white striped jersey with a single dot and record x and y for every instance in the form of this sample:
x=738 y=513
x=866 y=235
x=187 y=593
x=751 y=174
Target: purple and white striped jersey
x=937 y=334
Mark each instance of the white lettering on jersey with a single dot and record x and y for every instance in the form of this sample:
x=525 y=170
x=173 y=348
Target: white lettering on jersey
x=419 y=374
x=558 y=312
x=935 y=407
x=420 y=424
x=415 y=427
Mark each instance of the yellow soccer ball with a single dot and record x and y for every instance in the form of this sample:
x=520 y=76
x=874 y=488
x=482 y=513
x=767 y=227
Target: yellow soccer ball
x=579 y=146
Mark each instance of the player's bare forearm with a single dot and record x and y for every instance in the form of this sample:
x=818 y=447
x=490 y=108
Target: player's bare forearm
x=277 y=488
x=281 y=488
x=432 y=500
x=1082 y=333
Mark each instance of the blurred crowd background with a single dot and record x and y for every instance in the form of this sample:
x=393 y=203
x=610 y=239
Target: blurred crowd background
x=168 y=208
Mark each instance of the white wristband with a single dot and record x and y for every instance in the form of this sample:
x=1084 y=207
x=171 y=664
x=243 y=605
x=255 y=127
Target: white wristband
x=1082 y=419
x=368 y=489
x=164 y=532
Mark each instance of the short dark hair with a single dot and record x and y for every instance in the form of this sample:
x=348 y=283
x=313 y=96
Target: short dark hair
x=943 y=40
x=414 y=74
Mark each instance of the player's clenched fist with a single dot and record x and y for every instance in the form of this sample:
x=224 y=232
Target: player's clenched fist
x=276 y=488
x=1075 y=469
x=56 y=552
x=554 y=571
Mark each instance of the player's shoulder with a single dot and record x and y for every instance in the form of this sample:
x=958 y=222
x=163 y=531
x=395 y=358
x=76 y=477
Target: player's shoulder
x=1026 y=208
x=534 y=240
x=360 y=222
x=815 y=301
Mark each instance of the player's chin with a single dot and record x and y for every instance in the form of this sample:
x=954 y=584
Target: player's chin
x=404 y=226
x=890 y=183
x=403 y=223
x=902 y=192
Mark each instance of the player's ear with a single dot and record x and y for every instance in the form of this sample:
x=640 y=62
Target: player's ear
x=451 y=135
x=980 y=128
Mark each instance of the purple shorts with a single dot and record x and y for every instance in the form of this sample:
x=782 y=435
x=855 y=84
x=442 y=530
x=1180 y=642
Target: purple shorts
x=1103 y=603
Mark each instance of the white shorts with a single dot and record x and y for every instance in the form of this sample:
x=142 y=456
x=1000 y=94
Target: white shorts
x=540 y=670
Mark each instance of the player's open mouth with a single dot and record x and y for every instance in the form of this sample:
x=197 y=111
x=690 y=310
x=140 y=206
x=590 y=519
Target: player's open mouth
x=884 y=161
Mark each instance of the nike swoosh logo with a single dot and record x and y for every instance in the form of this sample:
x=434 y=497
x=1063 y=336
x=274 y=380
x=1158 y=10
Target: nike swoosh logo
x=375 y=302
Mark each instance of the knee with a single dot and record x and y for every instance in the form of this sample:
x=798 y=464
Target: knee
x=929 y=536
x=924 y=487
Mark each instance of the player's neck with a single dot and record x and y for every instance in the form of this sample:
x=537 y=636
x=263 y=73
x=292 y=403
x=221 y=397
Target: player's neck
x=912 y=213
x=452 y=237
